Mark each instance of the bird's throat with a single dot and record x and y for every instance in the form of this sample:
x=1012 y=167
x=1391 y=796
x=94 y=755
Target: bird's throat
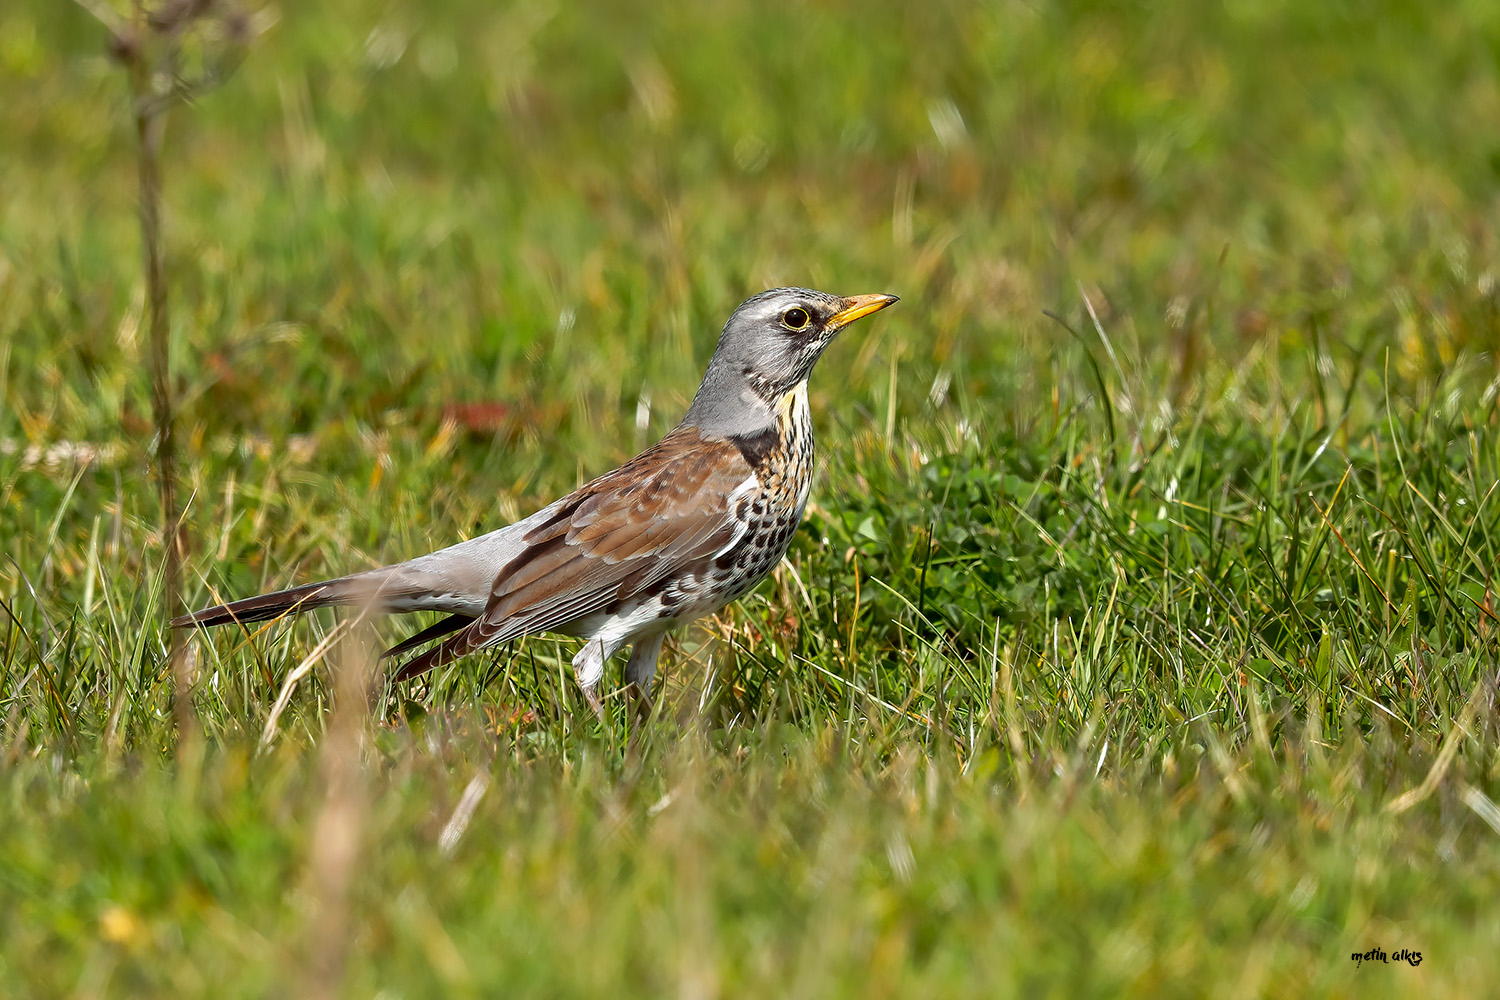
x=791 y=408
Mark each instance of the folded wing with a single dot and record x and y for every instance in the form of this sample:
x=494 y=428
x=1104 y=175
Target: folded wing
x=674 y=507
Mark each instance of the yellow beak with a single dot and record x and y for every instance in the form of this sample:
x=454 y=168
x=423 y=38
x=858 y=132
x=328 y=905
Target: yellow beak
x=855 y=307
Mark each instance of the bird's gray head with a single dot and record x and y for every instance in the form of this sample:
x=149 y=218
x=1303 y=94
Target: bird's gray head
x=767 y=349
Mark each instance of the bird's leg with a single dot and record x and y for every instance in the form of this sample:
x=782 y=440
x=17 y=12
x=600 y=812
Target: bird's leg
x=641 y=668
x=588 y=668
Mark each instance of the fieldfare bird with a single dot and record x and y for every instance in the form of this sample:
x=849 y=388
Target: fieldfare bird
x=684 y=528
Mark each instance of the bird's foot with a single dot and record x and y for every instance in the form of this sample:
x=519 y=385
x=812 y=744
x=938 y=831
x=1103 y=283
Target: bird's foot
x=641 y=705
x=588 y=669
x=591 y=695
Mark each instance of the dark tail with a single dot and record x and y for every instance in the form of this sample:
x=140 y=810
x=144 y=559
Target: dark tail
x=450 y=624
x=343 y=591
x=436 y=656
x=283 y=602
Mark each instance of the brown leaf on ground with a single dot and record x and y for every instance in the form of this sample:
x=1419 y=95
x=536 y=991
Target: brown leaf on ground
x=480 y=418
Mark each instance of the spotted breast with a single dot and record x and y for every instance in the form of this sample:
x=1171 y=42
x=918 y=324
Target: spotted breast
x=783 y=462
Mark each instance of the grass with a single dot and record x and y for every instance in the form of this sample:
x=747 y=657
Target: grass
x=1141 y=637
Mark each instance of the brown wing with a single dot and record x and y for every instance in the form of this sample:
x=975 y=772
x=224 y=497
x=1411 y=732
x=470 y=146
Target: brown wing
x=665 y=510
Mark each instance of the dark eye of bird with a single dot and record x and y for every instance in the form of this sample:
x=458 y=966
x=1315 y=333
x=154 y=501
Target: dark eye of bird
x=796 y=318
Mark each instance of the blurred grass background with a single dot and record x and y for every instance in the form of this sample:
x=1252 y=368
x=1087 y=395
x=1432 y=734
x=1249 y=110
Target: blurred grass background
x=1109 y=637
